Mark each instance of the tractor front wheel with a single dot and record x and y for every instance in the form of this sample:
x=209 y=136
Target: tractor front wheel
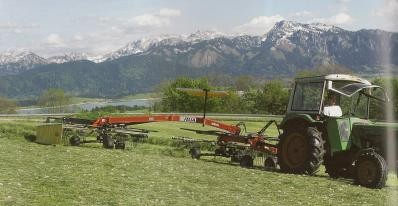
x=371 y=170
x=301 y=152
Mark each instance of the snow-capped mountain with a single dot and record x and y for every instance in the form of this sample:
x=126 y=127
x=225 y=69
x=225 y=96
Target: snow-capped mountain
x=135 y=47
x=143 y=45
x=204 y=35
x=287 y=47
x=24 y=57
x=283 y=31
x=14 y=62
x=74 y=56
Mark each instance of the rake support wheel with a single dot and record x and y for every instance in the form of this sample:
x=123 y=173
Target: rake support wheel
x=74 y=140
x=107 y=142
x=246 y=161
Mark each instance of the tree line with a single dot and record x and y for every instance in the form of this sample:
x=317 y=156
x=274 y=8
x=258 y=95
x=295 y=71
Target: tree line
x=248 y=97
x=244 y=96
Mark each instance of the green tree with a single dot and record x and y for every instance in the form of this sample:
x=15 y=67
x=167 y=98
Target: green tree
x=272 y=98
x=55 y=98
x=377 y=108
x=244 y=83
x=179 y=101
x=7 y=106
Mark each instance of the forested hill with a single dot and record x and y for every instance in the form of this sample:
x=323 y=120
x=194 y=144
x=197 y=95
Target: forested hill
x=287 y=48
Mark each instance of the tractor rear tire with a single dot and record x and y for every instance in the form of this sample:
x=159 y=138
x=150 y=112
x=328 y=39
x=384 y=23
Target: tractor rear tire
x=371 y=170
x=301 y=152
x=246 y=161
x=107 y=142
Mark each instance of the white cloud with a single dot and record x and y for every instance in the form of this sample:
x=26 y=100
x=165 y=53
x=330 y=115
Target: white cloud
x=342 y=6
x=13 y=25
x=78 y=37
x=159 y=19
x=258 y=25
x=150 y=20
x=17 y=31
x=339 y=19
x=54 y=40
x=388 y=14
x=389 y=9
x=169 y=12
x=303 y=14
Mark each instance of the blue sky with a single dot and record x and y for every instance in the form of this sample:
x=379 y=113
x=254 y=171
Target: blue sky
x=50 y=27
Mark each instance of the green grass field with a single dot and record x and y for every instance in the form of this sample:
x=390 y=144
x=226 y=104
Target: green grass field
x=156 y=174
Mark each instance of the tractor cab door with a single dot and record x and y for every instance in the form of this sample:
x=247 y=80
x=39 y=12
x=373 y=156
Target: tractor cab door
x=339 y=132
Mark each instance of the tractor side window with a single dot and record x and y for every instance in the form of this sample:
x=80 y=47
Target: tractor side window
x=307 y=96
x=360 y=106
x=377 y=108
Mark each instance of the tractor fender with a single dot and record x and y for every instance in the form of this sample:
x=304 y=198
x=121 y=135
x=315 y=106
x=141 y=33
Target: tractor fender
x=298 y=120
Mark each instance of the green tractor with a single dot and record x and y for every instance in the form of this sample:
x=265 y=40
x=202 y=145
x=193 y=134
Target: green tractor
x=327 y=122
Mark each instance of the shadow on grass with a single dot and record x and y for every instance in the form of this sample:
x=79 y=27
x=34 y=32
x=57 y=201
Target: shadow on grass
x=216 y=160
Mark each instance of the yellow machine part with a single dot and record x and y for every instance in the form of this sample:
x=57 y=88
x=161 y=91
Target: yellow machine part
x=49 y=134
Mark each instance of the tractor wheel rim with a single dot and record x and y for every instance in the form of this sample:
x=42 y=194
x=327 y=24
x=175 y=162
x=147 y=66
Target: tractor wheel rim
x=295 y=151
x=367 y=172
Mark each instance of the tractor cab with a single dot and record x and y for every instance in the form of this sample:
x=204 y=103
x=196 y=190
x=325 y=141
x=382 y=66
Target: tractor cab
x=327 y=122
x=325 y=95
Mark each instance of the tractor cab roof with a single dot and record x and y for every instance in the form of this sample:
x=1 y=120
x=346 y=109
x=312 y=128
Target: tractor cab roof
x=334 y=77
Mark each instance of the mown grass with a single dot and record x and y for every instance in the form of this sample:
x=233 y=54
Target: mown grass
x=149 y=174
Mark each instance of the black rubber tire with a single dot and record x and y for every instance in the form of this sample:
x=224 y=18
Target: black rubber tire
x=31 y=137
x=107 y=142
x=301 y=152
x=120 y=144
x=246 y=161
x=74 y=140
x=371 y=170
x=270 y=163
x=195 y=152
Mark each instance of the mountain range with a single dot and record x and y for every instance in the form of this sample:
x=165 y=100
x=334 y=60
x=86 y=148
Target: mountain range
x=141 y=65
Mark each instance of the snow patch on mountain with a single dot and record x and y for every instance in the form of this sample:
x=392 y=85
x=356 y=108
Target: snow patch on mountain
x=74 y=56
x=281 y=33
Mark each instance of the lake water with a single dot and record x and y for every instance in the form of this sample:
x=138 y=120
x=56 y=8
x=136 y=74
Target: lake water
x=88 y=106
